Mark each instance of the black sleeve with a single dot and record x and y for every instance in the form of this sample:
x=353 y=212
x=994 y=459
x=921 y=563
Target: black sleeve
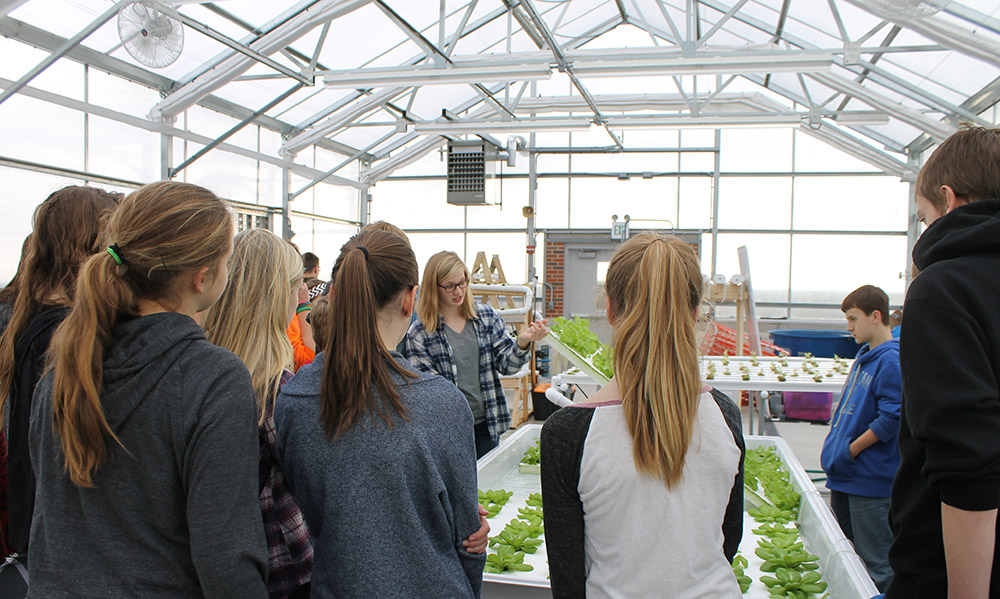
x=563 y=438
x=732 y=524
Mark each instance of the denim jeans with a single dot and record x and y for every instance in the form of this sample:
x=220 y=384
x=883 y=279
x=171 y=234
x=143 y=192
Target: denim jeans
x=865 y=522
x=484 y=442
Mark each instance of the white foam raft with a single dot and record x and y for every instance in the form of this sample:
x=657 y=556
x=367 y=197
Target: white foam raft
x=841 y=567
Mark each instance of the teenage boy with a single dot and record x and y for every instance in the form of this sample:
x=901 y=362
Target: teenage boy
x=860 y=455
x=947 y=490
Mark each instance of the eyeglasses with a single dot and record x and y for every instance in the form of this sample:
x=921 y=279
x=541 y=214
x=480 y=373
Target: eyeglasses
x=451 y=287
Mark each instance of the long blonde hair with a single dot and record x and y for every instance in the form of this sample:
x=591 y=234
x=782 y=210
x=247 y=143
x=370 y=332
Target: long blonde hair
x=160 y=231
x=441 y=266
x=251 y=316
x=654 y=286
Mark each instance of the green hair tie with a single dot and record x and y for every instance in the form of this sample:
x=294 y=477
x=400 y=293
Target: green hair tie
x=114 y=251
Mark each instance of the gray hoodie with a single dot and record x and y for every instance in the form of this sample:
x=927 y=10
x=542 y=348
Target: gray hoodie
x=177 y=514
x=388 y=508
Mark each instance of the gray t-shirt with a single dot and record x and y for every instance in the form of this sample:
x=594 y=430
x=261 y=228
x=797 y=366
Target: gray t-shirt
x=465 y=348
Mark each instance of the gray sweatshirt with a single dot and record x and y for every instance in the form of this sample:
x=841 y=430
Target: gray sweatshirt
x=388 y=508
x=175 y=516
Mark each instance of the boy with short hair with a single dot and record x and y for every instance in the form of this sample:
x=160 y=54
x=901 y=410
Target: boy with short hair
x=860 y=456
x=947 y=491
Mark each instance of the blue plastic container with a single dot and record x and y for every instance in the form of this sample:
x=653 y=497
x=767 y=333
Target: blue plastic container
x=820 y=343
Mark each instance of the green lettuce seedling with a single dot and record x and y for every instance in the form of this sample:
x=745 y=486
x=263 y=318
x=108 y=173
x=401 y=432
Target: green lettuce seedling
x=740 y=564
x=535 y=500
x=534 y=527
x=506 y=559
x=519 y=540
x=533 y=456
x=494 y=501
x=794 y=585
x=529 y=513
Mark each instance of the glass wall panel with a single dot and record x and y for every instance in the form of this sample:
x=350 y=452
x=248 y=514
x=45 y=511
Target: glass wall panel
x=228 y=175
x=426 y=245
x=120 y=94
x=755 y=202
x=336 y=201
x=851 y=203
x=119 y=150
x=695 y=203
x=812 y=154
x=756 y=150
x=553 y=204
x=506 y=216
x=509 y=247
x=825 y=268
x=60 y=143
x=595 y=200
x=768 y=256
x=24 y=191
x=269 y=185
x=416 y=205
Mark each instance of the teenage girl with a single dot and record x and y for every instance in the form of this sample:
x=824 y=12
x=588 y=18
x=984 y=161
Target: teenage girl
x=65 y=233
x=467 y=344
x=643 y=484
x=380 y=457
x=249 y=320
x=144 y=435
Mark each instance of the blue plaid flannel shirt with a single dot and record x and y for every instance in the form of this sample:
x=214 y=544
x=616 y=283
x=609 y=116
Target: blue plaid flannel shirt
x=498 y=354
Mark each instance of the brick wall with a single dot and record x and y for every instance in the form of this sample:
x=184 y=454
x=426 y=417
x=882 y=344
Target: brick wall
x=555 y=270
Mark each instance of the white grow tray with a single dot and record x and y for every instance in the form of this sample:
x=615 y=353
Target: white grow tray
x=841 y=567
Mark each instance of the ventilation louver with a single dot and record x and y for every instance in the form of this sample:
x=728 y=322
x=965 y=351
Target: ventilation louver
x=471 y=178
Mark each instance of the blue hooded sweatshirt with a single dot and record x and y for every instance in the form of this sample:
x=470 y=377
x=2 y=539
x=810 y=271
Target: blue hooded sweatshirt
x=870 y=400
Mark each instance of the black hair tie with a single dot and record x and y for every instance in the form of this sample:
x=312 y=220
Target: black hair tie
x=363 y=249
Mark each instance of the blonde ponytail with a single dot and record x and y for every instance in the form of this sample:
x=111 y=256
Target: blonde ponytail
x=654 y=285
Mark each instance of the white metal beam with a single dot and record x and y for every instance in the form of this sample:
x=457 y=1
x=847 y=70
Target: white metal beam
x=935 y=128
x=339 y=120
x=952 y=36
x=228 y=69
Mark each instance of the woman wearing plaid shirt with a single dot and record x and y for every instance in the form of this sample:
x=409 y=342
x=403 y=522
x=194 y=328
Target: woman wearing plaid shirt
x=467 y=344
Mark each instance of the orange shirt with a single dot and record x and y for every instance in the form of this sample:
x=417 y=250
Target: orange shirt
x=303 y=355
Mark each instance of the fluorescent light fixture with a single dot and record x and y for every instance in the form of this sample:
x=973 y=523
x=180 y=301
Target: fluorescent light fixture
x=862 y=117
x=474 y=127
x=428 y=75
x=732 y=63
x=706 y=121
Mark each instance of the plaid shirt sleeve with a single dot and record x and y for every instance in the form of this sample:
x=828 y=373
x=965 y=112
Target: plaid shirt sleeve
x=289 y=548
x=498 y=354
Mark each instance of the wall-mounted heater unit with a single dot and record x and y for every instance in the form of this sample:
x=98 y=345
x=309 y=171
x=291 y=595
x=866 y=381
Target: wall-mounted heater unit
x=471 y=173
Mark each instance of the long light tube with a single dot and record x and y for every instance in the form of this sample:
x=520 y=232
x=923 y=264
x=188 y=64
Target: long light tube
x=412 y=76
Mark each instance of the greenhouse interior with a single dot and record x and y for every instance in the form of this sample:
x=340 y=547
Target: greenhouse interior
x=773 y=144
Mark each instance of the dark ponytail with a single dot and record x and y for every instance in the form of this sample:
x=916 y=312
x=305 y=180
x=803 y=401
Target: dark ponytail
x=372 y=270
x=65 y=232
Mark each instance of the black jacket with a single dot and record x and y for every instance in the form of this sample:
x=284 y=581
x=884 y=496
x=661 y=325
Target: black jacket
x=949 y=436
x=29 y=361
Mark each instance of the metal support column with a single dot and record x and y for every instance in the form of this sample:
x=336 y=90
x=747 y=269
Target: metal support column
x=286 y=188
x=364 y=196
x=716 y=170
x=532 y=203
x=912 y=225
x=166 y=155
